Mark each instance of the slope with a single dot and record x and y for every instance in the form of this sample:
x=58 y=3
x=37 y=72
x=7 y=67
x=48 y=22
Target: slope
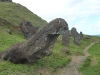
x=12 y=14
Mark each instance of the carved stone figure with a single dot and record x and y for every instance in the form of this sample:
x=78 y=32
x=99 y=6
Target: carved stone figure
x=66 y=41
x=66 y=38
x=76 y=36
x=28 y=29
x=81 y=35
x=38 y=46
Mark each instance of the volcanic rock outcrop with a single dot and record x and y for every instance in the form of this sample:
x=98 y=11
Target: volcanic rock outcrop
x=76 y=36
x=28 y=29
x=38 y=46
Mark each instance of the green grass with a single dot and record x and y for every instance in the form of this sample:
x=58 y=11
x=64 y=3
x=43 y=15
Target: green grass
x=8 y=68
x=57 y=60
x=86 y=64
x=93 y=69
x=78 y=50
x=58 y=45
x=7 y=40
x=54 y=61
x=51 y=63
x=12 y=14
x=9 y=18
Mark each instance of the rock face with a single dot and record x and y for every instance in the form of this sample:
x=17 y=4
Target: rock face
x=6 y=0
x=28 y=29
x=76 y=36
x=37 y=46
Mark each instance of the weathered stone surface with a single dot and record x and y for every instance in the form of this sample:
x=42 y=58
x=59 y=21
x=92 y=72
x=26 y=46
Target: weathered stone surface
x=76 y=36
x=66 y=40
x=28 y=29
x=37 y=46
x=6 y=0
x=81 y=36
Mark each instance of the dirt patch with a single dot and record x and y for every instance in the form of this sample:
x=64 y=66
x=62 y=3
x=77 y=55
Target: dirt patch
x=42 y=71
x=72 y=67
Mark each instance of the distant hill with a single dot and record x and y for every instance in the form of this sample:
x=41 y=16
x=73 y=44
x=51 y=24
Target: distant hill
x=12 y=14
x=96 y=35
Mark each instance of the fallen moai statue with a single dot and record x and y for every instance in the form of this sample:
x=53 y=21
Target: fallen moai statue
x=38 y=46
x=28 y=29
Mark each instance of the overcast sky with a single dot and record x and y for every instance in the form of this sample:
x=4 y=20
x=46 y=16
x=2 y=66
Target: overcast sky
x=82 y=14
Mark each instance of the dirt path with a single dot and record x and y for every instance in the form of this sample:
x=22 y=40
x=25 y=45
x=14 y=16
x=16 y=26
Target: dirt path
x=76 y=62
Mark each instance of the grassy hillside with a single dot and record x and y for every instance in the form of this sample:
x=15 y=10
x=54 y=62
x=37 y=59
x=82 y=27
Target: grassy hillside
x=12 y=14
x=57 y=60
